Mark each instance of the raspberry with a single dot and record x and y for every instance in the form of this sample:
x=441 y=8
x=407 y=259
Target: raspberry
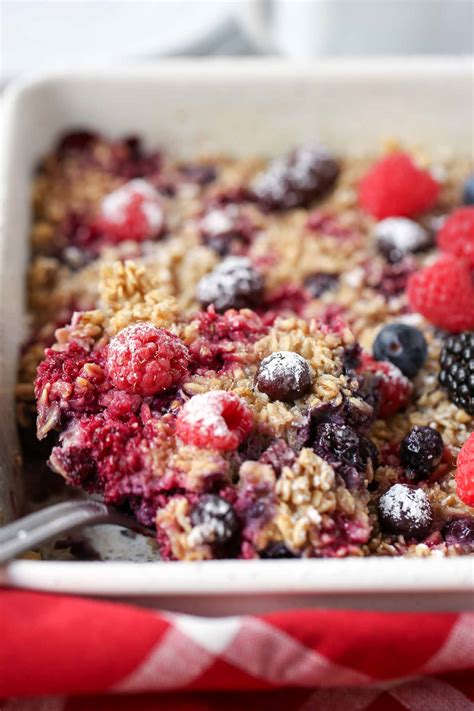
x=444 y=294
x=132 y=212
x=394 y=388
x=465 y=472
x=457 y=234
x=145 y=360
x=214 y=420
x=395 y=186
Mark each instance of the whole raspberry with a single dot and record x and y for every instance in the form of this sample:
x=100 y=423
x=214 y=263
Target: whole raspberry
x=465 y=472
x=444 y=294
x=457 y=234
x=296 y=179
x=214 y=420
x=394 y=389
x=145 y=360
x=132 y=212
x=395 y=186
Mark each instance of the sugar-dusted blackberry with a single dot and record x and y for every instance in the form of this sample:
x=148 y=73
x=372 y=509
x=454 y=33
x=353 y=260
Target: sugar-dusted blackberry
x=457 y=370
x=402 y=345
x=233 y=284
x=215 y=519
x=284 y=376
x=317 y=284
x=276 y=549
x=421 y=451
x=296 y=179
x=405 y=510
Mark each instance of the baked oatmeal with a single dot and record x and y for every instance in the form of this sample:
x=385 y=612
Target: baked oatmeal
x=259 y=358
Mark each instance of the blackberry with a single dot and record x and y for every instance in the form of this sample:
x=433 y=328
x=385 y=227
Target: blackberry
x=320 y=282
x=421 y=451
x=284 y=376
x=457 y=370
x=216 y=519
x=233 y=284
x=294 y=180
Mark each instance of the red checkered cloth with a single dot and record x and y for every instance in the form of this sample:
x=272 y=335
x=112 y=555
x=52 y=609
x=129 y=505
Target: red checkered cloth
x=60 y=653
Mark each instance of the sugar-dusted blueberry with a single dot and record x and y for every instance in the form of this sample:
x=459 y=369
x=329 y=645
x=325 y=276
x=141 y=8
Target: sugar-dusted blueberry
x=402 y=345
x=296 y=179
x=405 y=510
x=468 y=191
x=398 y=236
x=276 y=549
x=459 y=532
x=233 y=284
x=215 y=519
x=317 y=284
x=421 y=451
x=284 y=376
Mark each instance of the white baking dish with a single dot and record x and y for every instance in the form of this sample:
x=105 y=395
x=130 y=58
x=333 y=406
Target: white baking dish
x=241 y=107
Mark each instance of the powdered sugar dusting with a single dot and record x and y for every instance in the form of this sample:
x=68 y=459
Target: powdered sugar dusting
x=401 y=233
x=217 y=222
x=114 y=206
x=402 y=503
x=279 y=364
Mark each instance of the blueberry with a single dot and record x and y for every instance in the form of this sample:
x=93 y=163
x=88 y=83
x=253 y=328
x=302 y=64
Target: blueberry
x=405 y=510
x=468 y=191
x=340 y=445
x=284 y=376
x=216 y=519
x=460 y=532
x=402 y=345
x=276 y=549
x=294 y=180
x=397 y=236
x=233 y=284
x=318 y=283
x=421 y=451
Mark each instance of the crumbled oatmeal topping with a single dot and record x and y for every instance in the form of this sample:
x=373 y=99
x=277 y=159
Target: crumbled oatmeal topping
x=202 y=339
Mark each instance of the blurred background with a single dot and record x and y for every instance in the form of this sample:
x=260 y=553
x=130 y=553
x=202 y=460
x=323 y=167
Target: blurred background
x=42 y=34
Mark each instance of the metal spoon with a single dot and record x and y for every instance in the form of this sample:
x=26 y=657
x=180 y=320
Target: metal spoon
x=37 y=528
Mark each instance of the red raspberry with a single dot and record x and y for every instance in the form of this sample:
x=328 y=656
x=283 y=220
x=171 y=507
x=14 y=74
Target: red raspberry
x=395 y=390
x=465 y=472
x=395 y=186
x=132 y=212
x=145 y=360
x=444 y=294
x=214 y=420
x=457 y=234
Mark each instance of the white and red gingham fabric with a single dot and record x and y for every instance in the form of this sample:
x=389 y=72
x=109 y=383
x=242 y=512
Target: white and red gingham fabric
x=60 y=653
